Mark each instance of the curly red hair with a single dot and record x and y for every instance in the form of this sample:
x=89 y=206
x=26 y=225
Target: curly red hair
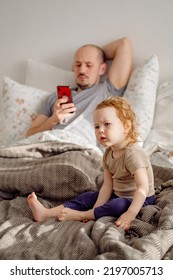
x=124 y=112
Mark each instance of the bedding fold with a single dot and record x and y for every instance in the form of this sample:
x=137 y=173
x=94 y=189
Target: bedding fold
x=53 y=170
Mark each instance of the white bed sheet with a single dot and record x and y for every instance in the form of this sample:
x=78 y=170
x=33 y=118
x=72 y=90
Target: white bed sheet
x=162 y=156
x=59 y=135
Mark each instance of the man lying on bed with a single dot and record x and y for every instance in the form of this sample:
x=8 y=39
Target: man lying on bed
x=88 y=66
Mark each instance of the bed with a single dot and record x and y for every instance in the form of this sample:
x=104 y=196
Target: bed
x=59 y=167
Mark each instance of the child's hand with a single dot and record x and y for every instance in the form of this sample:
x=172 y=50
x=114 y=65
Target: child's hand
x=125 y=220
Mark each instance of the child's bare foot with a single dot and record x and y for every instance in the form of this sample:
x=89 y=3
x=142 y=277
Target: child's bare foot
x=68 y=214
x=38 y=210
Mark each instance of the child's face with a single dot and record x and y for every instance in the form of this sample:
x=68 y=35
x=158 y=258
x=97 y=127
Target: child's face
x=109 y=129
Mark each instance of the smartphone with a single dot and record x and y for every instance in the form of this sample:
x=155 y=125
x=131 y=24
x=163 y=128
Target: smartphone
x=64 y=91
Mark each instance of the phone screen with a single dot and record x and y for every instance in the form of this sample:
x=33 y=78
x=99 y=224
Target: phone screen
x=64 y=91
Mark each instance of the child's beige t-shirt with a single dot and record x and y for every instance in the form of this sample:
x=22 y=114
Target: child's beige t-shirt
x=124 y=167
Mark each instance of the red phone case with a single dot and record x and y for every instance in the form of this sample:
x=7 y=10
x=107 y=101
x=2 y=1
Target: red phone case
x=64 y=91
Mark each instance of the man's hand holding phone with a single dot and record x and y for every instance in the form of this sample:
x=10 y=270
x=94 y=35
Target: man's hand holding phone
x=63 y=109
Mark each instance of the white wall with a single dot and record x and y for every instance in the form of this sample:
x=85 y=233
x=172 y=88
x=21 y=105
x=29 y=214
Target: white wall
x=51 y=30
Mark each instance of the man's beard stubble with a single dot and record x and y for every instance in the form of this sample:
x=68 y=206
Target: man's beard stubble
x=82 y=87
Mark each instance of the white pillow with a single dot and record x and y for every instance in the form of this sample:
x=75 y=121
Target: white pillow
x=20 y=104
x=141 y=93
x=161 y=133
x=47 y=77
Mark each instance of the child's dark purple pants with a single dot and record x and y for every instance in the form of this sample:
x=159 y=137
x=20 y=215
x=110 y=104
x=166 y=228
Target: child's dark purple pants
x=114 y=207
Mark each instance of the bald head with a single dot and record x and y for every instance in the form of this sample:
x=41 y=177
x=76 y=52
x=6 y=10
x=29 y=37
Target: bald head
x=95 y=50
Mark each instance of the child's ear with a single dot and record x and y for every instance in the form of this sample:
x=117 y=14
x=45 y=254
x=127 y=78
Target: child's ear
x=127 y=126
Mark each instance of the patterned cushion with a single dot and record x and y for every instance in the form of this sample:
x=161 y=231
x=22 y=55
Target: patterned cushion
x=141 y=93
x=20 y=104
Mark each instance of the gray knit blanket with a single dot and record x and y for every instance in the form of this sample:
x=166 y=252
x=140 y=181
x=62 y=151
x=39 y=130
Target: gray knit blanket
x=57 y=172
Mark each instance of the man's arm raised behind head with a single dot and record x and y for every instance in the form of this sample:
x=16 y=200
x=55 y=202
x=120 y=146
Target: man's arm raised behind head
x=120 y=52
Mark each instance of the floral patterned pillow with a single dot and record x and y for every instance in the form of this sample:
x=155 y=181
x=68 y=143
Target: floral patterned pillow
x=141 y=93
x=20 y=104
